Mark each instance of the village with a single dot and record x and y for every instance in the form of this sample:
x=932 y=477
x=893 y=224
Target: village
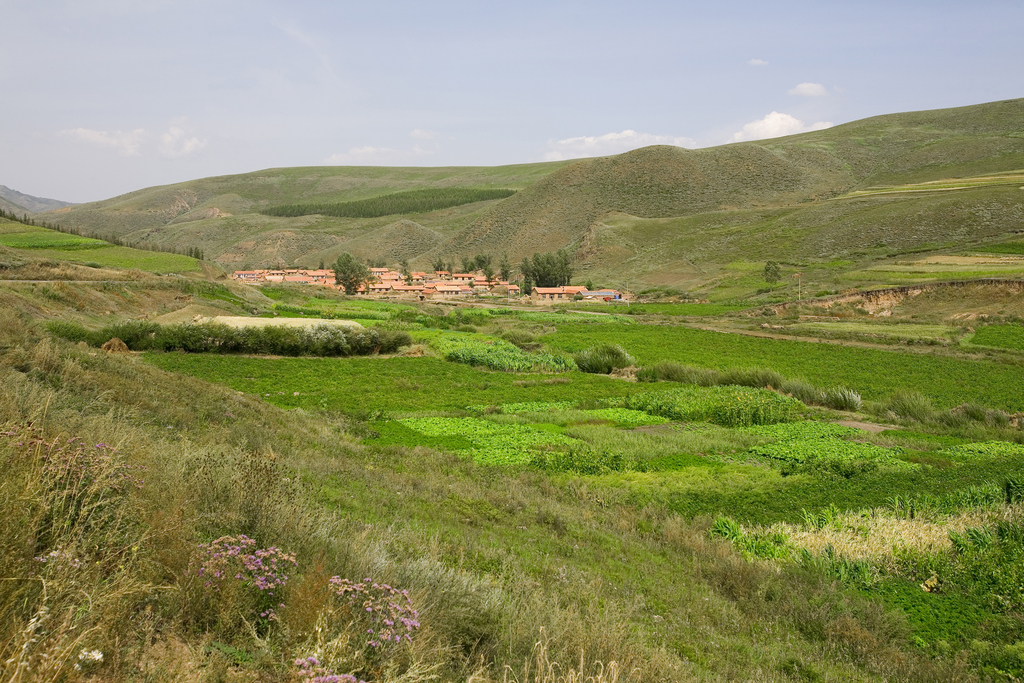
x=421 y=285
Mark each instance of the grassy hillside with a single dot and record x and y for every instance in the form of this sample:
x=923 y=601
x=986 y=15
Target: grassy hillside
x=221 y=215
x=29 y=203
x=837 y=203
x=775 y=199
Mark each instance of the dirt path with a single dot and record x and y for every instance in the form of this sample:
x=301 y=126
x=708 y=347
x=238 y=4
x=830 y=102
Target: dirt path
x=870 y=427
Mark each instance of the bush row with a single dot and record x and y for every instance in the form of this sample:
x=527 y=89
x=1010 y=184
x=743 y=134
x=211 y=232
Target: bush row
x=319 y=340
x=837 y=398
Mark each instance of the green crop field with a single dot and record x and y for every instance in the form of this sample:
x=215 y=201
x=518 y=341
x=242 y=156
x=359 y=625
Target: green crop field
x=48 y=239
x=874 y=373
x=382 y=385
x=1000 y=336
x=36 y=241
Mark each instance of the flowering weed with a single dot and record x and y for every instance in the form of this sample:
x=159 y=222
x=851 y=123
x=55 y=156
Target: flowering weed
x=259 y=570
x=386 y=612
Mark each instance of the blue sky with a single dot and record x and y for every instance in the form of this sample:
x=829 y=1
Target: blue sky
x=102 y=97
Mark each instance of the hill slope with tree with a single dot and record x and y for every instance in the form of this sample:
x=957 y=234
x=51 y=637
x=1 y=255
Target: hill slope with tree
x=658 y=215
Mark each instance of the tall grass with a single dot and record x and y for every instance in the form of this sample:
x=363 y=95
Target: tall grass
x=603 y=359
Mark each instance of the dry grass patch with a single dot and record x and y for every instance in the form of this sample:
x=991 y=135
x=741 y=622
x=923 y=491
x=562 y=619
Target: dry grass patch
x=877 y=534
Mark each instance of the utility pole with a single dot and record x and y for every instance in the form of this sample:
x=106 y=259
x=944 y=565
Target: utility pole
x=799 y=291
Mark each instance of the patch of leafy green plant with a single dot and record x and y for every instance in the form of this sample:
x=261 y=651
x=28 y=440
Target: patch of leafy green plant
x=831 y=450
x=492 y=443
x=803 y=430
x=50 y=240
x=395 y=432
x=361 y=385
x=766 y=545
x=984 y=449
x=525 y=407
x=497 y=354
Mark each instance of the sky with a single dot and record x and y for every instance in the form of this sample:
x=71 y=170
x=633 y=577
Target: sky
x=102 y=97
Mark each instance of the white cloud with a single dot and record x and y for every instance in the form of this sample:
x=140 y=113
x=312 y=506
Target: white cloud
x=362 y=156
x=126 y=143
x=776 y=125
x=757 y=62
x=609 y=143
x=177 y=143
x=379 y=156
x=809 y=90
x=421 y=134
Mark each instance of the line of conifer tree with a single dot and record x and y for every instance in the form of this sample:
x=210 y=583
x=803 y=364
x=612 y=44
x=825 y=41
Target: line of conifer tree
x=411 y=201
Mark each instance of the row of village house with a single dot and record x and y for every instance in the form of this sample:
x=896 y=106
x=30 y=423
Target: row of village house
x=438 y=284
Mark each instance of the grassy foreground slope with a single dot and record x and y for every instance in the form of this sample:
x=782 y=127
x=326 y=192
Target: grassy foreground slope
x=119 y=472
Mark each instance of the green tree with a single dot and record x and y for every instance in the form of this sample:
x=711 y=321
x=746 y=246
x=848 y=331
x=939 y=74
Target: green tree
x=349 y=272
x=552 y=269
x=439 y=264
x=772 y=273
x=482 y=261
x=505 y=268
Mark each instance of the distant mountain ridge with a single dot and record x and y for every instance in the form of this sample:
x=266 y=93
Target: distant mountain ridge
x=26 y=202
x=662 y=214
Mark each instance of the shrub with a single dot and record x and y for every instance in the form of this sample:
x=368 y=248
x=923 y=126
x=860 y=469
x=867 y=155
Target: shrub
x=602 y=359
x=668 y=371
x=73 y=332
x=752 y=377
x=320 y=340
x=910 y=404
x=841 y=398
x=518 y=337
x=802 y=390
x=385 y=614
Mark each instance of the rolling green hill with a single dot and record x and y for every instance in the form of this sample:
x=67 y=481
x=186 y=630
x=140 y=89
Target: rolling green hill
x=828 y=203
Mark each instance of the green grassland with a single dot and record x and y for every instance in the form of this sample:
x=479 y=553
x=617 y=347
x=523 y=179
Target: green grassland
x=872 y=372
x=1000 y=336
